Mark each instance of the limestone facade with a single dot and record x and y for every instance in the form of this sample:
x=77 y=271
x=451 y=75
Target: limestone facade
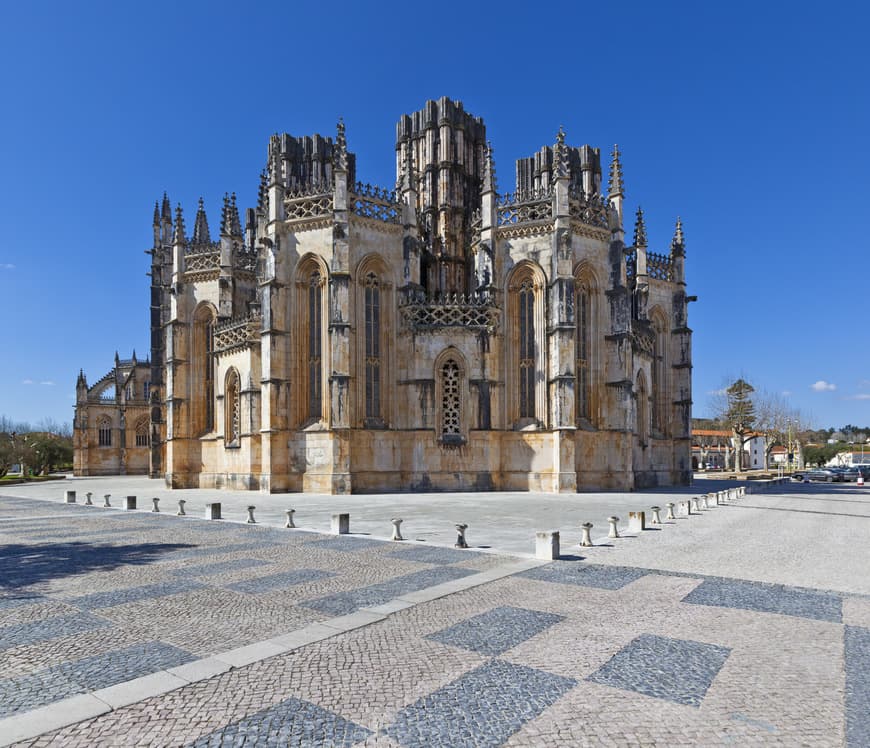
x=112 y=425
x=441 y=335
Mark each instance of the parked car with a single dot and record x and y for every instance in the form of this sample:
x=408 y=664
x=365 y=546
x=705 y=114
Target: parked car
x=849 y=474
x=827 y=475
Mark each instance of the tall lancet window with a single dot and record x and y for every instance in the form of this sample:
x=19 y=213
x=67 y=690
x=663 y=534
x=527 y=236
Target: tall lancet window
x=581 y=349
x=451 y=426
x=527 y=349
x=373 y=346
x=203 y=364
x=104 y=431
x=315 y=351
x=232 y=410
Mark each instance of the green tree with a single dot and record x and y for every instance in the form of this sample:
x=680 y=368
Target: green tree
x=740 y=416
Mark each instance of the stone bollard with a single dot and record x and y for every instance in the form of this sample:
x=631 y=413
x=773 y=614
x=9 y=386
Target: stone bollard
x=670 y=514
x=129 y=503
x=720 y=499
x=213 y=510
x=460 y=538
x=684 y=508
x=741 y=491
x=250 y=520
x=636 y=521
x=156 y=502
x=289 y=522
x=614 y=533
x=397 y=529
x=340 y=524
x=181 y=512
x=656 y=520
x=586 y=539
x=106 y=500
x=696 y=505
x=88 y=501
x=70 y=497
x=547 y=545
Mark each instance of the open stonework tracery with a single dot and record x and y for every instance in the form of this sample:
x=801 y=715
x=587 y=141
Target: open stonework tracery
x=438 y=335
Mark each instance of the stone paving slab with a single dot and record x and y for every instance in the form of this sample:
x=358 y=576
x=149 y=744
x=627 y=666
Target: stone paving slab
x=788 y=654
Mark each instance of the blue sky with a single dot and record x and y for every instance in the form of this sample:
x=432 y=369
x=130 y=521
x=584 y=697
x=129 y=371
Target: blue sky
x=750 y=120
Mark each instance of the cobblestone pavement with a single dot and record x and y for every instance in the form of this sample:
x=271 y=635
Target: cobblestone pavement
x=713 y=629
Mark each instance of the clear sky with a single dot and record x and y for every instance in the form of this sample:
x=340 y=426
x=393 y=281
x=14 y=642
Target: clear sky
x=749 y=119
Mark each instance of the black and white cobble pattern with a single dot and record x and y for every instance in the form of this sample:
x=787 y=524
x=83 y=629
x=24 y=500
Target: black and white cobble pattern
x=279 y=581
x=89 y=674
x=133 y=594
x=586 y=575
x=347 y=602
x=497 y=630
x=430 y=555
x=11 y=600
x=214 y=550
x=483 y=708
x=767 y=598
x=290 y=722
x=673 y=669
x=50 y=628
x=856 y=646
x=347 y=544
x=220 y=567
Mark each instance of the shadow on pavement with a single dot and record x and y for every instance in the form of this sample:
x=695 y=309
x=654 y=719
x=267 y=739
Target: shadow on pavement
x=25 y=565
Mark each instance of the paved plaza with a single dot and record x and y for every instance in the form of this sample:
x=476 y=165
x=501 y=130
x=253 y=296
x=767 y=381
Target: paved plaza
x=746 y=623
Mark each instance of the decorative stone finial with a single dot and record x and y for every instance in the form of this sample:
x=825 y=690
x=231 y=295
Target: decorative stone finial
x=156 y=213
x=178 y=237
x=340 y=152
x=615 y=187
x=166 y=210
x=489 y=182
x=560 y=156
x=200 y=227
x=235 y=221
x=678 y=243
x=639 y=229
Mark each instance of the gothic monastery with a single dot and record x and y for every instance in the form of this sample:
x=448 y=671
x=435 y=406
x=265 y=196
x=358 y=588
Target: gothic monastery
x=442 y=335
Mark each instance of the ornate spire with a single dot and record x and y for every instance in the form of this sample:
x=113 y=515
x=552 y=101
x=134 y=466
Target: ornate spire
x=134 y=357
x=200 y=226
x=225 y=215
x=156 y=221
x=489 y=182
x=167 y=210
x=560 y=156
x=639 y=230
x=235 y=221
x=615 y=186
x=407 y=179
x=178 y=237
x=340 y=152
x=678 y=243
x=263 y=190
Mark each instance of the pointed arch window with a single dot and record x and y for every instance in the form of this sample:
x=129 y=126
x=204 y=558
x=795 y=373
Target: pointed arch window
x=582 y=350
x=526 y=362
x=203 y=362
x=659 y=380
x=232 y=410
x=373 y=346
x=451 y=426
x=142 y=433
x=315 y=342
x=643 y=419
x=104 y=431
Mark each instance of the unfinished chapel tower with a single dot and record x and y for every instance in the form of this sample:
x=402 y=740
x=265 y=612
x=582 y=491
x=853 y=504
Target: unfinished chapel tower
x=439 y=335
